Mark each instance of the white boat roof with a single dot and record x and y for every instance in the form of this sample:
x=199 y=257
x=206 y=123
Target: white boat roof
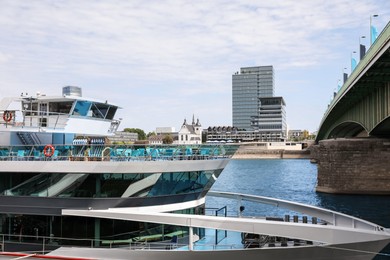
x=66 y=97
x=5 y=102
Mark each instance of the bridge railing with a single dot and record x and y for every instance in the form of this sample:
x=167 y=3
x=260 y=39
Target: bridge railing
x=375 y=48
x=382 y=39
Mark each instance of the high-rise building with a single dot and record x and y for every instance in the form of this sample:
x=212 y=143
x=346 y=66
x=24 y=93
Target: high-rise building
x=271 y=119
x=248 y=85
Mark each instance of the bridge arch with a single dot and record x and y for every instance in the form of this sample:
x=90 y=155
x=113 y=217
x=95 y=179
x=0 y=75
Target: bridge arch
x=382 y=129
x=347 y=130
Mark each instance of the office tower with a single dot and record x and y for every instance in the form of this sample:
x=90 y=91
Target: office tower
x=271 y=120
x=248 y=85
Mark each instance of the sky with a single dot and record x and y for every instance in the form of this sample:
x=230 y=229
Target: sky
x=166 y=61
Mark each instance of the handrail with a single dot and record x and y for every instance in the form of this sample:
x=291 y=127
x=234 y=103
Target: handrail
x=48 y=243
x=340 y=233
x=98 y=152
x=31 y=114
x=56 y=120
x=333 y=217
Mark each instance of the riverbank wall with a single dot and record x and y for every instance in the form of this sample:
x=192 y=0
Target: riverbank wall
x=353 y=166
x=255 y=152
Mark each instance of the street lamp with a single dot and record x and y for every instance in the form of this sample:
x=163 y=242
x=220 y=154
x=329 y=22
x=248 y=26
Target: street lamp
x=345 y=75
x=361 y=37
x=362 y=48
x=371 y=16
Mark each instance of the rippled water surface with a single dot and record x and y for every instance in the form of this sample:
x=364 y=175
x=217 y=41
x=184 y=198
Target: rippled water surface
x=293 y=180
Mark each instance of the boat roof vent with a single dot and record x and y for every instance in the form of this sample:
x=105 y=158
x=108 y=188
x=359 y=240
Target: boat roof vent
x=71 y=91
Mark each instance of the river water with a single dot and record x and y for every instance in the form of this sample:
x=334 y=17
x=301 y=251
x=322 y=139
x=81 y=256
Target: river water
x=293 y=180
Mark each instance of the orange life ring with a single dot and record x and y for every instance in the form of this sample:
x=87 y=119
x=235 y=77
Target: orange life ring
x=48 y=151
x=7 y=116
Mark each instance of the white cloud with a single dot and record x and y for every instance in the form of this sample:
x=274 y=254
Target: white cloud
x=4 y=58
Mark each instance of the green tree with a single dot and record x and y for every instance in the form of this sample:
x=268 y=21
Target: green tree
x=305 y=134
x=167 y=139
x=150 y=134
x=140 y=132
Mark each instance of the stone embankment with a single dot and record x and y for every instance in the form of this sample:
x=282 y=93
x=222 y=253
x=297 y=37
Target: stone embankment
x=255 y=152
x=353 y=166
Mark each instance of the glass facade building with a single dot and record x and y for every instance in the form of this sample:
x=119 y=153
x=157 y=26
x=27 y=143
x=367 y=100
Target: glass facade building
x=271 y=119
x=248 y=85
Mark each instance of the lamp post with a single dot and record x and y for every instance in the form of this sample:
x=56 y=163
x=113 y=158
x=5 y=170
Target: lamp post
x=345 y=76
x=371 y=16
x=362 y=48
x=361 y=37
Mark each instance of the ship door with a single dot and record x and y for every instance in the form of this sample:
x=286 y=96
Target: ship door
x=43 y=113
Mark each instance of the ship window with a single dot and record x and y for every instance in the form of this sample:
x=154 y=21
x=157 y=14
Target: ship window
x=102 y=111
x=43 y=122
x=60 y=107
x=42 y=109
x=81 y=108
x=31 y=109
x=111 y=113
x=99 y=110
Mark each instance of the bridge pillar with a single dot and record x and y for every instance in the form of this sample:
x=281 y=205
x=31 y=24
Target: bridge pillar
x=353 y=166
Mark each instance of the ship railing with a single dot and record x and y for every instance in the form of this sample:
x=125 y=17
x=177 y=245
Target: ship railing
x=33 y=119
x=45 y=244
x=97 y=152
x=174 y=246
x=318 y=215
x=114 y=126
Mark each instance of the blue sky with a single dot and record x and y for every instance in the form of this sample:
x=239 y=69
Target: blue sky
x=163 y=61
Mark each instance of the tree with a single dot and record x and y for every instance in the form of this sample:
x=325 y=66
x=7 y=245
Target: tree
x=150 y=134
x=305 y=134
x=140 y=132
x=167 y=139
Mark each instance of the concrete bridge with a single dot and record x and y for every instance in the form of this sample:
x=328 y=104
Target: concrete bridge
x=353 y=150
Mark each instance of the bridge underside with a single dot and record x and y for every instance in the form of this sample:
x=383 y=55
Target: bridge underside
x=347 y=130
x=354 y=129
x=382 y=130
x=370 y=116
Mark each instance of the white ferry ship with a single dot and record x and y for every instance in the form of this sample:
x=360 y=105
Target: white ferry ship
x=68 y=193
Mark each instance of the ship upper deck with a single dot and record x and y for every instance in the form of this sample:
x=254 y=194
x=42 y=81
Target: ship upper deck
x=81 y=150
x=58 y=114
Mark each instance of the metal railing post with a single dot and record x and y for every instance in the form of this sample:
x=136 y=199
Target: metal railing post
x=43 y=245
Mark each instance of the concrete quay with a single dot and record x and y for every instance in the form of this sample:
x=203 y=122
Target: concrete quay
x=255 y=151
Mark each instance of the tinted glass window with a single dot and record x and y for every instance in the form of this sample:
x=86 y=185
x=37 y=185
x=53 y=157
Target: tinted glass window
x=82 y=108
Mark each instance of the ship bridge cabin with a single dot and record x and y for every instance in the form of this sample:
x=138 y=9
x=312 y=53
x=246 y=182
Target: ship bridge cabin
x=61 y=116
